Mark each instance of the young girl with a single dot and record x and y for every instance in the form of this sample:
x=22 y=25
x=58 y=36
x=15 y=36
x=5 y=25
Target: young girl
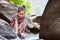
x=17 y=23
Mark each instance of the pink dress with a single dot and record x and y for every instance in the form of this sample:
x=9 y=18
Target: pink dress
x=17 y=22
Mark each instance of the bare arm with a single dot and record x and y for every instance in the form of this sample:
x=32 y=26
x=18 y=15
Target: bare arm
x=14 y=24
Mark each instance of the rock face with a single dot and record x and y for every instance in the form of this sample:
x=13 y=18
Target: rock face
x=4 y=18
x=50 y=21
x=2 y=38
x=7 y=9
x=37 y=19
x=6 y=31
x=33 y=26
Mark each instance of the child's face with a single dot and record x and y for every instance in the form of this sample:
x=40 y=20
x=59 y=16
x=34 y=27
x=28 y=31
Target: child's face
x=21 y=13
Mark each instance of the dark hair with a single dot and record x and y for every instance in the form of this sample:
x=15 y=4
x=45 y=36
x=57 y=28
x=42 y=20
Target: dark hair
x=21 y=8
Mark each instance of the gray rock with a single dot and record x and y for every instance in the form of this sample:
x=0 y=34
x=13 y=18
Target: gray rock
x=37 y=19
x=7 y=9
x=6 y=31
x=32 y=25
x=50 y=21
x=2 y=38
x=4 y=18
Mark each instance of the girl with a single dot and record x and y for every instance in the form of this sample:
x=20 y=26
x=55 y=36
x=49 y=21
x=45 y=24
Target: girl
x=17 y=23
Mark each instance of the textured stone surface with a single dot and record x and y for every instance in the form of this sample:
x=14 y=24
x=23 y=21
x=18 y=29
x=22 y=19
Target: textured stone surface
x=7 y=9
x=37 y=19
x=33 y=25
x=50 y=21
x=2 y=38
x=6 y=31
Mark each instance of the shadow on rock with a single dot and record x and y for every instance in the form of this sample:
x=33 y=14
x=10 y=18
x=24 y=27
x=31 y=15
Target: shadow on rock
x=6 y=31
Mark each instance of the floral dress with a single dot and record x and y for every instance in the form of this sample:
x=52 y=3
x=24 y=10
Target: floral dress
x=17 y=24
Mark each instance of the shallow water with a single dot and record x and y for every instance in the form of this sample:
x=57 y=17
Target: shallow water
x=29 y=36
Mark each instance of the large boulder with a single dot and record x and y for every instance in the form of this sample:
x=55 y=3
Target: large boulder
x=37 y=19
x=6 y=31
x=2 y=38
x=50 y=21
x=4 y=18
x=7 y=9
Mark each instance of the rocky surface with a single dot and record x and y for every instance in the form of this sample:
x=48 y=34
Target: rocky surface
x=2 y=38
x=33 y=25
x=7 y=9
x=50 y=21
x=37 y=19
x=6 y=31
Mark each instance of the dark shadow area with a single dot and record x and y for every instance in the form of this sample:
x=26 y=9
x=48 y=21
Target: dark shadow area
x=4 y=18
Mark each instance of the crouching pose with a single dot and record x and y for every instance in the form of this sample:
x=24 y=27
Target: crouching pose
x=17 y=23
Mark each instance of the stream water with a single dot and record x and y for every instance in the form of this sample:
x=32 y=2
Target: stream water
x=29 y=36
